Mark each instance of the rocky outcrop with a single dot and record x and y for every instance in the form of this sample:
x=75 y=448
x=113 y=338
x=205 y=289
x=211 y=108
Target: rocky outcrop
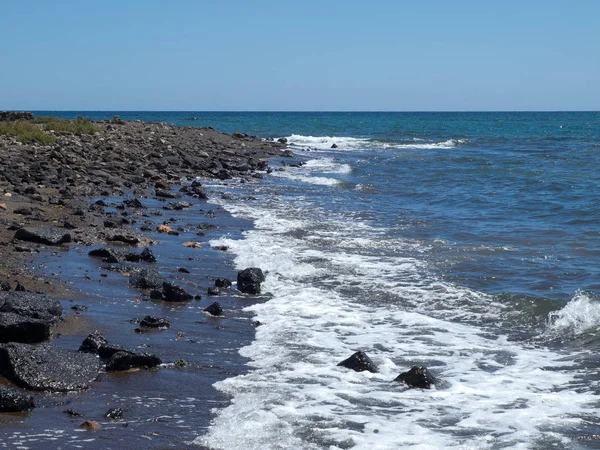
x=359 y=362
x=45 y=367
x=249 y=280
x=417 y=376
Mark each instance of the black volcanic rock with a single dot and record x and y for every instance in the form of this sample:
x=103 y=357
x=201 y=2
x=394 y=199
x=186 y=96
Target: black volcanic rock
x=222 y=282
x=30 y=304
x=214 y=309
x=417 y=376
x=359 y=362
x=249 y=280
x=155 y=322
x=128 y=360
x=16 y=328
x=146 y=278
x=46 y=236
x=44 y=367
x=12 y=400
x=93 y=343
x=174 y=293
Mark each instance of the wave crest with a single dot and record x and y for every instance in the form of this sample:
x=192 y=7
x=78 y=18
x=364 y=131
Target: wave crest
x=580 y=315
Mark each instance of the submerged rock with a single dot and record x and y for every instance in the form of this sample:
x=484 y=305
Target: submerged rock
x=249 y=280
x=214 y=309
x=45 y=367
x=12 y=400
x=417 y=376
x=213 y=291
x=359 y=362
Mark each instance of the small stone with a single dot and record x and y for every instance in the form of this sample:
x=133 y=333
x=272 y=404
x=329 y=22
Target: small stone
x=114 y=414
x=90 y=425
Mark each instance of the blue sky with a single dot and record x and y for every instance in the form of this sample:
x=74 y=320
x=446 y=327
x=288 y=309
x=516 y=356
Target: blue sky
x=252 y=55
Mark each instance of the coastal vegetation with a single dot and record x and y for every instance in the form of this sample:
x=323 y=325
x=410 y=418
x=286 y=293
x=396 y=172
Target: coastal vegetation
x=42 y=129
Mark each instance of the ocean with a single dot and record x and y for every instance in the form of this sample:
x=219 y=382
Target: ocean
x=468 y=243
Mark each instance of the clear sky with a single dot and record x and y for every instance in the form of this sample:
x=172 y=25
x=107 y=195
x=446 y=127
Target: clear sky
x=295 y=55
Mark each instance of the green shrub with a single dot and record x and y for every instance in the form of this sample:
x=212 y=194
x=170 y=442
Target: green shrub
x=26 y=132
x=35 y=130
x=78 y=126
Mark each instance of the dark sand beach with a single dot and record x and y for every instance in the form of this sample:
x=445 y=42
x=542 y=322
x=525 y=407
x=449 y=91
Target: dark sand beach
x=128 y=187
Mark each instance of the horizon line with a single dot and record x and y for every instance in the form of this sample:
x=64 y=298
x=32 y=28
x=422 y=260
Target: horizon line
x=307 y=111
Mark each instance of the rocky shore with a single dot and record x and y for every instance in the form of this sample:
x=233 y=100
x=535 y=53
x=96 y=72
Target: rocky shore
x=60 y=195
x=53 y=185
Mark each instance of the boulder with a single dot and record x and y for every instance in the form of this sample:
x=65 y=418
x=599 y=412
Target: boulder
x=46 y=236
x=155 y=322
x=173 y=293
x=417 y=376
x=93 y=343
x=146 y=279
x=30 y=304
x=44 y=367
x=249 y=280
x=214 y=309
x=359 y=362
x=16 y=328
x=12 y=400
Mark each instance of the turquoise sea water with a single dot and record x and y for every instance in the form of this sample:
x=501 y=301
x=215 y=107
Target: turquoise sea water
x=466 y=242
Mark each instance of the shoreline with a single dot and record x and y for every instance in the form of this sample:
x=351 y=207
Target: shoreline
x=86 y=284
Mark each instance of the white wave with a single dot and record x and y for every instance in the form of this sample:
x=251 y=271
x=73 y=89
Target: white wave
x=348 y=143
x=311 y=172
x=327 y=165
x=580 y=315
x=323 y=181
x=450 y=143
x=325 y=142
x=494 y=392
